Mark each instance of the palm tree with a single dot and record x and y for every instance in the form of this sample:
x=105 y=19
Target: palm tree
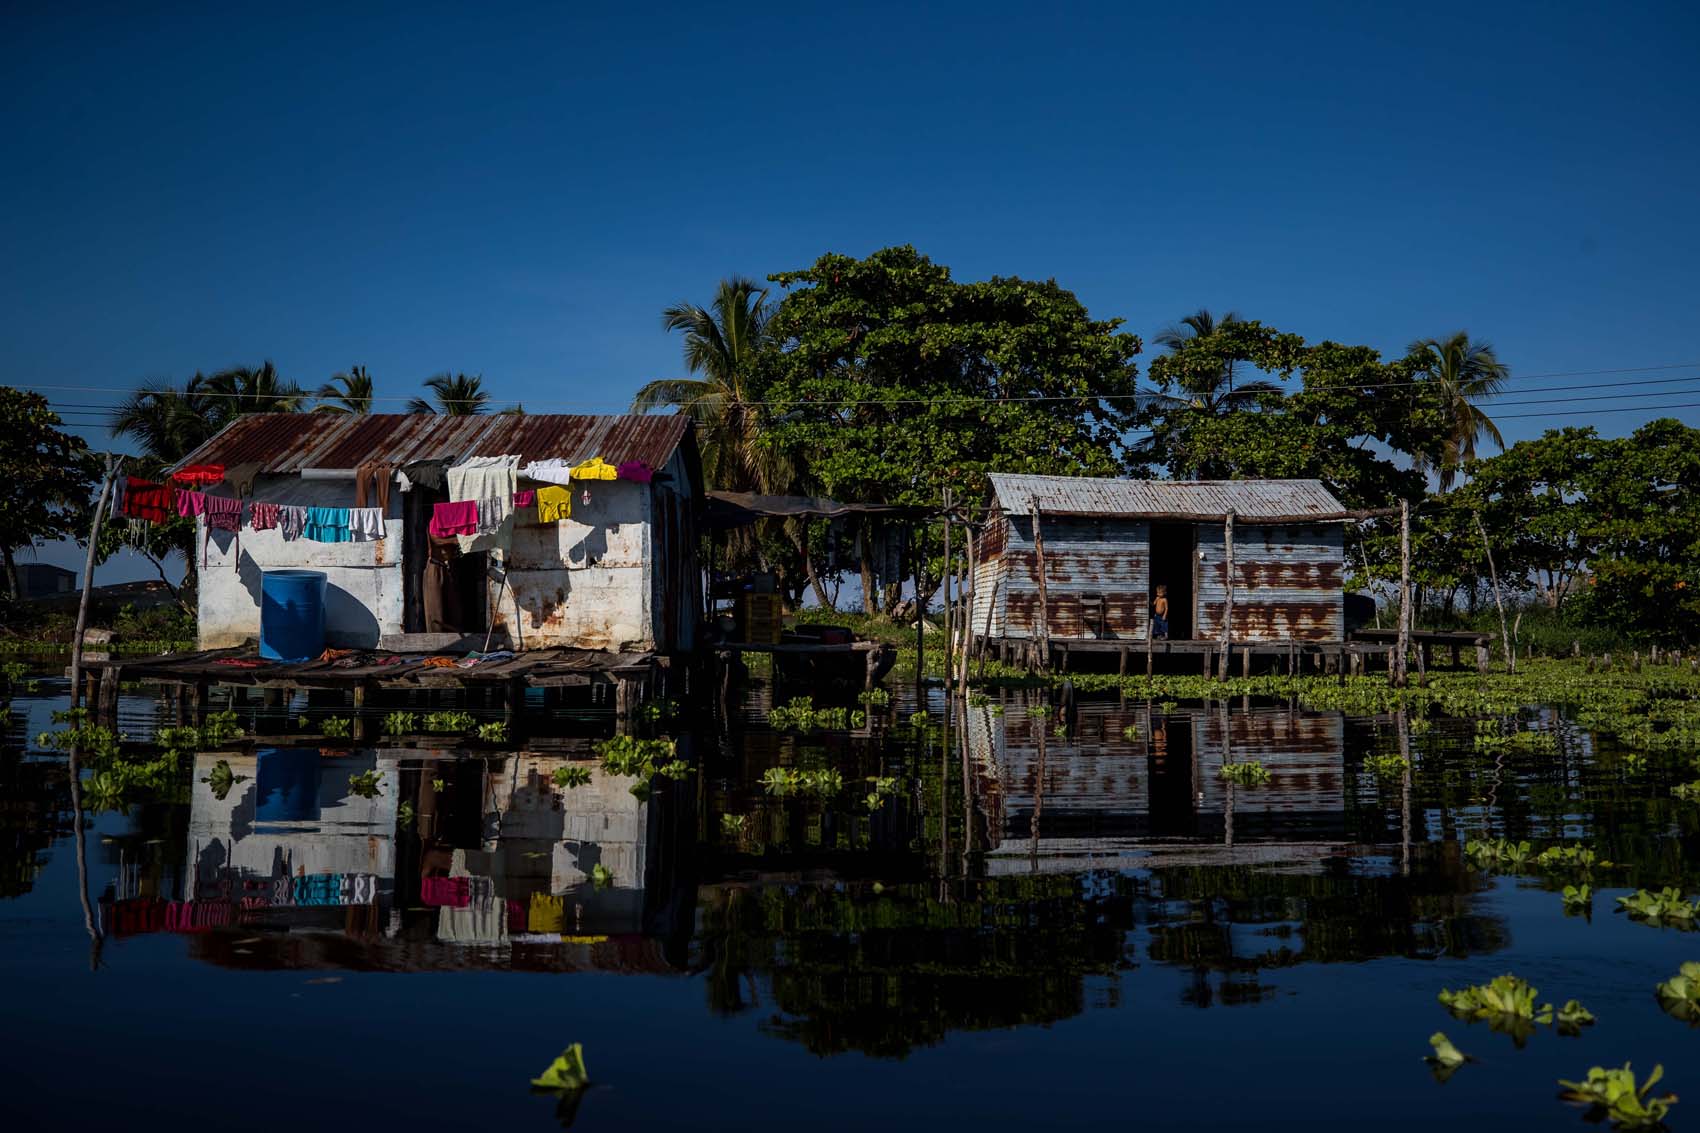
x=722 y=343
x=347 y=393
x=1464 y=372
x=1212 y=390
x=168 y=421
x=249 y=390
x=458 y=395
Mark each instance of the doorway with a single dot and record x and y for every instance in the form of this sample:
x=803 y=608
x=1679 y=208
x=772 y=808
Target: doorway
x=1173 y=556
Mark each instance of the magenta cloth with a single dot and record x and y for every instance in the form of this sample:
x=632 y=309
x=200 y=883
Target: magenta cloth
x=455 y=892
x=516 y=914
x=527 y=498
x=635 y=470
x=190 y=503
x=457 y=517
x=263 y=517
x=223 y=512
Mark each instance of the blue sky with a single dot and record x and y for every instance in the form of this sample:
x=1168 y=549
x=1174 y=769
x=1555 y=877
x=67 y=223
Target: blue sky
x=517 y=192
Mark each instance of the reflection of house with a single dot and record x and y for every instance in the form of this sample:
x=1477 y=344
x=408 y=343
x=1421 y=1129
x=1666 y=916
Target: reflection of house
x=619 y=574
x=1095 y=793
x=1108 y=544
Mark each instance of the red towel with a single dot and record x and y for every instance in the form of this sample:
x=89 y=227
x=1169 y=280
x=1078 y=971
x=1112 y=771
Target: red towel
x=527 y=498
x=143 y=499
x=199 y=474
x=458 y=517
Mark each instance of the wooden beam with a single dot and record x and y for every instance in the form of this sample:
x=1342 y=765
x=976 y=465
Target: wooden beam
x=1298 y=519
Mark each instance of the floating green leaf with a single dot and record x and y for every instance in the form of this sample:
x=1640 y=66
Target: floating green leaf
x=1680 y=995
x=1614 y=1095
x=566 y=1073
x=1249 y=773
x=1666 y=907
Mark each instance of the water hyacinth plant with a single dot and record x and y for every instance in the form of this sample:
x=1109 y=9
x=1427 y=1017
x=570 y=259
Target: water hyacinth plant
x=1446 y=1058
x=1577 y=898
x=1387 y=766
x=400 y=723
x=1505 y=1003
x=566 y=1073
x=1679 y=996
x=1666 y=907
x=1498 y=854
x=1614 y=1096
x=366 y=785
x=1249 y=773
x=572 y=775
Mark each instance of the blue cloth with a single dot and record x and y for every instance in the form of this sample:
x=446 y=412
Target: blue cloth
x=327 y=525
x=1159 y=626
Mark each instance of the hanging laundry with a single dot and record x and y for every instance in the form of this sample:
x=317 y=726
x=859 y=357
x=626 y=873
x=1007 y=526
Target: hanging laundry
x=199 y=474
x=488 y=481
x=455 y=518
x=554 y=504
x=224 y=513
x=525 y=497
x=144 y=499
x=117 y=508
x=548 y=471
x=375 y=474
x=291 y=521
x=327 y=525
x=595 y=469
x=366 y=524
x=263 y=517
x=547 y=913
x=424 y=473
x=636 y=470
x=190 y=503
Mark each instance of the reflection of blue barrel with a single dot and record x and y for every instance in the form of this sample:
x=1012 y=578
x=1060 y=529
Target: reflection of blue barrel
x=292 y=615
x=288 y=784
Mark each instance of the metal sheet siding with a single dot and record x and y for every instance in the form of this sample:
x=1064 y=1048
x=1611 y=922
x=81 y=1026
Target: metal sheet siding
x=1288 y=583
x=1086 y=495
x=1107 y=557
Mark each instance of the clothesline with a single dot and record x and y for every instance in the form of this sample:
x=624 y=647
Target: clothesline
x=483 y=491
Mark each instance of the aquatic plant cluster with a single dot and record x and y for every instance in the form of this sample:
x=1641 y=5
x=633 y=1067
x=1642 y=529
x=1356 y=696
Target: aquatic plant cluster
x=119 y=777
x=801 y=715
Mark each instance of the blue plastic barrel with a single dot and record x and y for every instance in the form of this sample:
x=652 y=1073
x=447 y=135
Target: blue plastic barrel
x=292 y=615
x=287 y=787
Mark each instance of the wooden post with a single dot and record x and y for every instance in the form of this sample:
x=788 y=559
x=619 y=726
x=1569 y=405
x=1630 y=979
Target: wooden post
x=1228 y=602
x=1150 y=620
x=361 y=729
x=920 y=622
x=113 y=464
x=949 y=612
x=967 y=611
x=1044 y=626
x=1499 y=603
x=1396 y=664
x=106 y=712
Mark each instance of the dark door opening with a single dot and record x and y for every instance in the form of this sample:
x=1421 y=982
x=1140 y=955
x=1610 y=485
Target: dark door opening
x=443 y=591
x=1172 y=556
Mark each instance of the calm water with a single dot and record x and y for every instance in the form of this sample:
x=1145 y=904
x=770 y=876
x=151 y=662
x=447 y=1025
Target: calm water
x=1048 y=930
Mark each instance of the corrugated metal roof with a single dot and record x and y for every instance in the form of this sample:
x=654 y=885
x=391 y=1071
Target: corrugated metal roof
x=291 y=442
x=1085 y=495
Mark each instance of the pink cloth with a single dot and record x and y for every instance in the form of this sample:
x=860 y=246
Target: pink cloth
x=457 y=517
x=455 y=892
x=527 y=498
x=636 y=470
x=190 y=503
x=223 y=512
x=263 y=517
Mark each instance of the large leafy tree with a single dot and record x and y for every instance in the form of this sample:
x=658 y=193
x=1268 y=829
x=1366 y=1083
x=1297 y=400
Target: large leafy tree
x=349 y=392
x=1464 y=372
x=169 y=421
x=1209 y=385
x=456 y=395
x=896 y=381
x=46 y=479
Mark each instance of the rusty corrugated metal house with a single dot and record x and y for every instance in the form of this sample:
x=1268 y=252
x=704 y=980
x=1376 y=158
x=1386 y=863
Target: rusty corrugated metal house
x=620 y=575
x=1108 y=544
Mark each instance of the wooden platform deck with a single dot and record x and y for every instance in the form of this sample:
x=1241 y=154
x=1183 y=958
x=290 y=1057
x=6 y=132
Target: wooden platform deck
x=1290 y=656
x=630 y=674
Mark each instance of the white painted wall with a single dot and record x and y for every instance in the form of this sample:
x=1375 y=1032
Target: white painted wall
x=363 y=590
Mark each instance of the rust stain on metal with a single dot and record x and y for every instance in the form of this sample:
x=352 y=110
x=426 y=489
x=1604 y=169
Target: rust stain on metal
x=1277 y=575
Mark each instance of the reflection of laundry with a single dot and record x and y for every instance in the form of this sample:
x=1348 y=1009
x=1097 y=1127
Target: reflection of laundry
x=198 y=916
x=554 y=504
x=131 y=916
x=547 y=913
x=454 y=892
x=483 y=921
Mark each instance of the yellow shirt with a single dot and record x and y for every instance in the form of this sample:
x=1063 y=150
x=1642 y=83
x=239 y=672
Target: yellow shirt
x=546 y=913
x=595 y=469
x=554 y=504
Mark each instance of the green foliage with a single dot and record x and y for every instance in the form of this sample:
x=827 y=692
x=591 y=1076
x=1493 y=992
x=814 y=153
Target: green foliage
x=47 y=476
x=734 y=825
x=572 y=775
x=601 y=876
x=1039 y=710
x=1614 y=1095
x=495 y=732
x=801 y=715
x=1498 y=854
x=401 y=723
x=449 y=722
x=1688 y=792
x=1505 y=1003
x=437 y=785
x=566 y=1073
x=1679 y=996
x=1577 y=898
x=1247 y=773
x=918 y=720
x=337 y=727
x=404 y=816
x=1565 y=859
x=879 y=786
x=629 y=755
x=1666 y=907
x=1130 y=733
x=655 y=711
x=220 y=728
x=367 y=784
x=1387 y=766
x=1446 y=1058
x=1572 y=1017
x=879 y=697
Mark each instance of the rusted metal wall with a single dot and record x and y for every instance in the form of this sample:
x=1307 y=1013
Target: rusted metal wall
x=988 y=579
x=1288 y=583
x=363 y=591
x=1107 y=557
x=1303 y=752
